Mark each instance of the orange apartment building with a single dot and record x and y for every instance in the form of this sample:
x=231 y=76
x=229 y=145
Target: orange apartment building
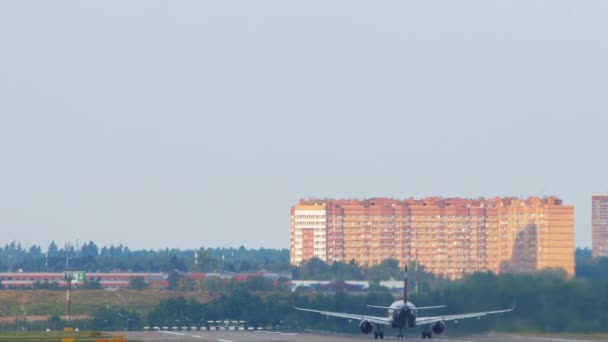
x=450 y=237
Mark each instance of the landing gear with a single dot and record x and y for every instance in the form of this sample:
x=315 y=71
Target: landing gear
x=378 y=334
x=400 y=335
x=426 y=333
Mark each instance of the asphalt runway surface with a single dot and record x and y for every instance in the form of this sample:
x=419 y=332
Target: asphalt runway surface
x=278 y=336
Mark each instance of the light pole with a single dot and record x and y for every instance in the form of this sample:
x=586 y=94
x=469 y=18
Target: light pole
x=69 y=277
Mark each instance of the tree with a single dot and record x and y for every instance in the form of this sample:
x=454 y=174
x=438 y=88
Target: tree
x=53 y=250
x=35 y=251
x=245 y=266
x=258 y=283
x=89 y=249
x=92 y=284
x=114 y=319
x=173 y=280
x=387 y=269
x=593 y=268
x=138 y=283
x=55 y=322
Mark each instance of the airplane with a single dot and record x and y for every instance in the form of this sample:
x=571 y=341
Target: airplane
x=404 y=314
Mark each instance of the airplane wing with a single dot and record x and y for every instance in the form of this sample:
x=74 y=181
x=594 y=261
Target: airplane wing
x=434 y=319
x=371 y=319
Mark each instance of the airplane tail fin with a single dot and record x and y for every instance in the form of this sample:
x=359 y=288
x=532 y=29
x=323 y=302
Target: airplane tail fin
x=405 y=294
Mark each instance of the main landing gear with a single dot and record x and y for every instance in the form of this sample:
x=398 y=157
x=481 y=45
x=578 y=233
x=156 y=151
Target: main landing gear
x=426 y=333
x=378 y=333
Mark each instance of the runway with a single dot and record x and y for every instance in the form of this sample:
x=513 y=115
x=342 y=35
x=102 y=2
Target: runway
x=278 y=336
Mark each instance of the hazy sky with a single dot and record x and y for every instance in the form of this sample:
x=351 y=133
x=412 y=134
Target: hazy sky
x=199 y=123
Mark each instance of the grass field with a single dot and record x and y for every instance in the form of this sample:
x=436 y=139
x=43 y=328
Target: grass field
x=53 y=336
x=49 y=302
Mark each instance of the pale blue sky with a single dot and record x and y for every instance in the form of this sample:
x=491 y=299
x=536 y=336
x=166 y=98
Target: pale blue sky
x=189 y=123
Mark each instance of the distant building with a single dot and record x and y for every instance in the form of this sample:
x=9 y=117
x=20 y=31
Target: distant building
x=343 y=286
x=599 y=217
x=450 y=237
x=110 y=280
x=122 y=280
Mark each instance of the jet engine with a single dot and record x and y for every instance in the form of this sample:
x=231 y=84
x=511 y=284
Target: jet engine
x=438 y=328
x=366 y=327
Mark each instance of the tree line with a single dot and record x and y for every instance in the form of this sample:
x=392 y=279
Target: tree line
x=91 y=258
x=545 y=302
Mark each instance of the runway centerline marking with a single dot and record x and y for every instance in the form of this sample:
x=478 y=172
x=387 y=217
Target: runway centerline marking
x=173 y=333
